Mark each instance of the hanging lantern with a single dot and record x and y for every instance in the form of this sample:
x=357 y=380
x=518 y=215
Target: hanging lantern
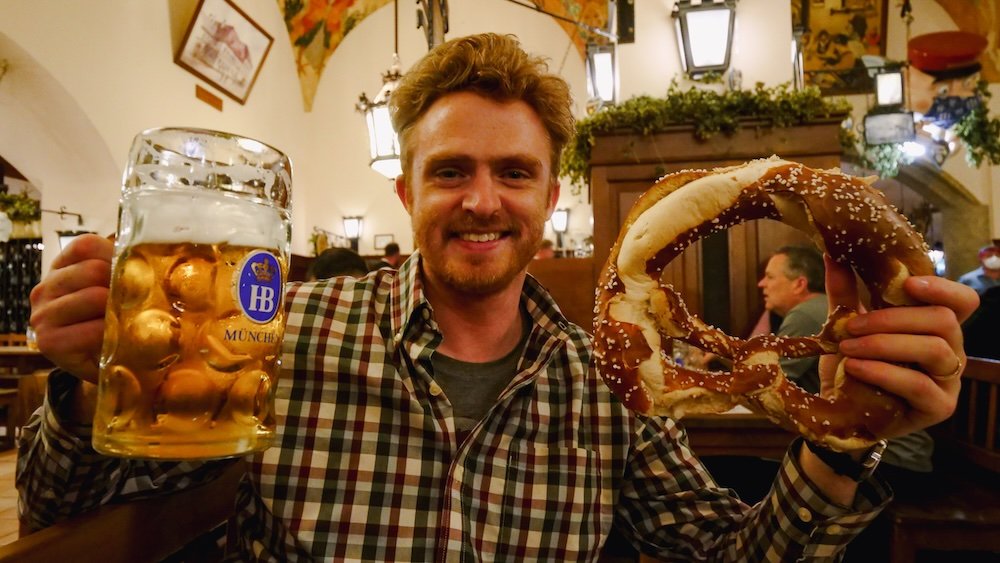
x=383 y=142
x=704 y=34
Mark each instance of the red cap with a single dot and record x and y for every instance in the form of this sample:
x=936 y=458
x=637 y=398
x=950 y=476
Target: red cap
x=945 y=50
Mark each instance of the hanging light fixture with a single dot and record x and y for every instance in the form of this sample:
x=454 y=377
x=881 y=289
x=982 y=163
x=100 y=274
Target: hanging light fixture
x=601 y=81
x=383 y=142
x=889 y=87
x=704 y=34
x=887 y=122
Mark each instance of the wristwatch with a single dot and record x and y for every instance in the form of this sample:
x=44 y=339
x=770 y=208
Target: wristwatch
x=844 y=464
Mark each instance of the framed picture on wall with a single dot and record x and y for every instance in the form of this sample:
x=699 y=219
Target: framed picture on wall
x=224 y=47
x=839 y=34
x=382 y=240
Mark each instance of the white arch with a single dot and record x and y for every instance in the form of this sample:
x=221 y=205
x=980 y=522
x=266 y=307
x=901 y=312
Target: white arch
x=47 y=136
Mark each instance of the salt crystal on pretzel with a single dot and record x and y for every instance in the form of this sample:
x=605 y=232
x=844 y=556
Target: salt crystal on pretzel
x=638 y=315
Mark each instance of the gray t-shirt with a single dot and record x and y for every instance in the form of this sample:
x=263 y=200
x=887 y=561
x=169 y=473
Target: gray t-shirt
x=473 y=388
x=805 y=319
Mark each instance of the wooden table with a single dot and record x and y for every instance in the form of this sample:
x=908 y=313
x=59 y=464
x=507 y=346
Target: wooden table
x=21 y=360
x=736 y=434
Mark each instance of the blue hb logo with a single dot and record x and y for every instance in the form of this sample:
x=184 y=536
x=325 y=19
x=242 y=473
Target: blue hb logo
x=259 y=286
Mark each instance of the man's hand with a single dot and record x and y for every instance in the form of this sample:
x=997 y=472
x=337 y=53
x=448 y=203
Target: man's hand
x=67 y=307
x=915 y=353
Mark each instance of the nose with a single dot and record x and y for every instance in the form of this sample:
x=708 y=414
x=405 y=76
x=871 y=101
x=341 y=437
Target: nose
x=760 y=284
x=482 y=196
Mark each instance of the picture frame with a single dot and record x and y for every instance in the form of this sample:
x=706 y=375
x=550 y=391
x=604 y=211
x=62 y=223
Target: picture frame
x=838 y=36
x=382 y=240
x=224 y=47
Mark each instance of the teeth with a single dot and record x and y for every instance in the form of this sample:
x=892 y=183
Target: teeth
x=480 y=237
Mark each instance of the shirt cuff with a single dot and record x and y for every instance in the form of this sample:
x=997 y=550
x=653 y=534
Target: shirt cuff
x=821 y=526
x=59 y=403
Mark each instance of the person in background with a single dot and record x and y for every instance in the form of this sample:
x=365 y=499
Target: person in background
x=987 y=275
x=336 y=262
x=447 y=410
x=391 y=259
x=982 y=329
x=793 y=287
x=546 y=250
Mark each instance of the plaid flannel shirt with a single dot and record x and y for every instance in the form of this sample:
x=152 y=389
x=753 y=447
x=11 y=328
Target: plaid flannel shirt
x=366 y=465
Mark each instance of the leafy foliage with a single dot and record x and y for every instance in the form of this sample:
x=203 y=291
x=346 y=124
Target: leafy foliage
x=712 y=113
x=20 y=207
x=709 y=112
x=979 y=133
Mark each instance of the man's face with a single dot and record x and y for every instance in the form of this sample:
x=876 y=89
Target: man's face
x=990 y=258
x=478 y=191
x=781 y=294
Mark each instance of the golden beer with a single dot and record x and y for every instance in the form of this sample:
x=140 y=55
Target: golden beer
x=195 y=316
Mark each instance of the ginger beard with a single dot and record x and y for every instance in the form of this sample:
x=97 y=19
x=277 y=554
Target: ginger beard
x=471 y=272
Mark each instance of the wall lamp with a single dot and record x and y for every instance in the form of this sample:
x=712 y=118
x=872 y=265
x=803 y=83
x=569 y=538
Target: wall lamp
x=63 y=213
x=353 y=226
x=560 y=224
x=704 y=34
x=601 y=77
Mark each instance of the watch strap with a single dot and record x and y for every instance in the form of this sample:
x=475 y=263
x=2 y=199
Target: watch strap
x=843 y=464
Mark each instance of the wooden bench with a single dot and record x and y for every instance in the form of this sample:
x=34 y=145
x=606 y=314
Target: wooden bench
x=963 y=514
x=172 y=527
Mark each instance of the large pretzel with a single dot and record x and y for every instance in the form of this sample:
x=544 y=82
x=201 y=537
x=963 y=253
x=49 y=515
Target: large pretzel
x=638 y=315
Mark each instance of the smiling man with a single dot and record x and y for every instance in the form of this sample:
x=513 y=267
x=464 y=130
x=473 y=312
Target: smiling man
x=448 y=411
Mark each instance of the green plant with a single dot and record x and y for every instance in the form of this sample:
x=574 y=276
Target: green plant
x=979 y=134
x=709 y=112
x=20 y=207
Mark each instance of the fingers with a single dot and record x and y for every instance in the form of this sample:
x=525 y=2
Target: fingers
x=934 y=355
x=936 y=321
x=67 y=307
x=930 y=401
x=961 y=299
x=928 y=335
x=84 y=247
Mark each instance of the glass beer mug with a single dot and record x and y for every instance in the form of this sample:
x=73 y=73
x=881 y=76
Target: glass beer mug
x=195 y=316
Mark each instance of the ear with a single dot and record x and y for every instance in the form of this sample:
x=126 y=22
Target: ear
x=801 y=285
x=401 y=191
x=553 y=198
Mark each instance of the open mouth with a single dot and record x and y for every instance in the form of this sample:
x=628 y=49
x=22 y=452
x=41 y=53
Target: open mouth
x=481 y=237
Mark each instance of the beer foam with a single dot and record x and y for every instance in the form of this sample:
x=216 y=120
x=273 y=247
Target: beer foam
x=172 y=216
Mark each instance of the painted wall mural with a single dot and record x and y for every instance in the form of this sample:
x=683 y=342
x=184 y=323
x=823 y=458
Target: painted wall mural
x=317 y=27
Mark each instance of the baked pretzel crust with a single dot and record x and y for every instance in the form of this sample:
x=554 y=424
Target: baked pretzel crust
x=638 y=316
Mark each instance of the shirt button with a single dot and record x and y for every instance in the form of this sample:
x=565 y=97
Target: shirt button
x=426 y=314
x=397 y=338
x=835 y=529
x=804 y=514
x=435 y=389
